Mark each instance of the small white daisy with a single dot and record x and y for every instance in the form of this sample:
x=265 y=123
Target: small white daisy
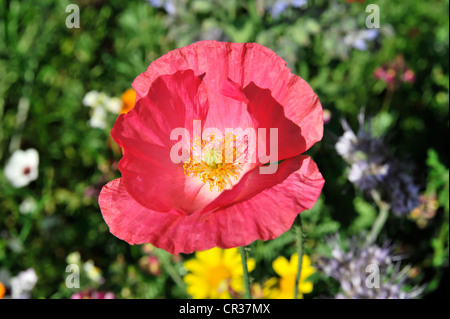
x=22 y=167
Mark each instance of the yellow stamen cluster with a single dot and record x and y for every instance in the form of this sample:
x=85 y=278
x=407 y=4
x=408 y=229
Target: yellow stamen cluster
x=211 y=167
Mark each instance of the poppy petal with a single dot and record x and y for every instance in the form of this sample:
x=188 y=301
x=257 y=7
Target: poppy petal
x=263 y=216
x=267 y=113
x=149 y=173
x=242 y=63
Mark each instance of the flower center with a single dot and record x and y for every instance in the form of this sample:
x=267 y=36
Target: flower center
x=218 y=277
x=216 y=162
x=26 y=170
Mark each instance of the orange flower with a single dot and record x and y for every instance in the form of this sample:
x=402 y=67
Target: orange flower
x=2 y=290
x=128 y=98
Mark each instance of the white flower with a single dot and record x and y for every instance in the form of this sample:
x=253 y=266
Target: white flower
x=91 y=98
x=356 y=172
x=23 y=283
x=98 y=118
x=74 y=258
x=22 y=167
x=357 y=39
x=101 y=104
x=102 y=99
x=361 y=169
x=27 y=206
x=346 y=144
x=94 y=273
x=113 y=105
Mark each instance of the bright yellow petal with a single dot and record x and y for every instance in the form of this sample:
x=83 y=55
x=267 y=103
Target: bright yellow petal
x=195 y=266
x=306 y=261
x=237 y=284
x=306 y=287
x=196 y=286
x=232 y=253
x=293 y=264
x=281 y=266
x=251 y=264
x=306 y=272
x=211 y=257
x=270 y=289
x=223 y=295
x=237 y=279
x=232 y=258
x=191 y=279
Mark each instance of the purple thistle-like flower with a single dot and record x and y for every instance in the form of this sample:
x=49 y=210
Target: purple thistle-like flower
x=402 y=193
x=371 y=167
x=354 y=268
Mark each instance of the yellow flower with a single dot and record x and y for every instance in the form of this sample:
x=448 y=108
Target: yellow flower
x=215 y=273
x=283 y=287
x=128 y=98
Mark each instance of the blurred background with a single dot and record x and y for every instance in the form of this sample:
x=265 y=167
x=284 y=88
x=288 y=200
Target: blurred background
x=384 y=155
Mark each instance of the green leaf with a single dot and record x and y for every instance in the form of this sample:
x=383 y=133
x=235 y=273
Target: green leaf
x=381 y=123
x=366 y=215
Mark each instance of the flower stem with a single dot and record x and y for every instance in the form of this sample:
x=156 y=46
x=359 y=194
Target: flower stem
x=167 y=265
x=299 y=232
x=248 y=294
x=387 y=99
x=381 y=219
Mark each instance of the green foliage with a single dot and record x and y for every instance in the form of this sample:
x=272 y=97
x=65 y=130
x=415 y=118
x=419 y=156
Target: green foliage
x=366 y=216
x=438 y=183
x=438 y=179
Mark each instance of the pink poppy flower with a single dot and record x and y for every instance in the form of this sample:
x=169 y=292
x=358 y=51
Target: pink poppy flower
x=202 y=202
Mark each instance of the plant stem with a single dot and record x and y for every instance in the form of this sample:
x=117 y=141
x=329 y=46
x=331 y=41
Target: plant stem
x=164 y=258
x=387 y=99
x=299 y=232
x=248 y=294
x=381 y=219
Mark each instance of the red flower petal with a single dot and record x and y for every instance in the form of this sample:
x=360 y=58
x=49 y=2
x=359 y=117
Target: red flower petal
x=149 y=175
x=225 y=85
x=264 y=215
x=170 y=102
x=268 y=113
x=242 y=63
